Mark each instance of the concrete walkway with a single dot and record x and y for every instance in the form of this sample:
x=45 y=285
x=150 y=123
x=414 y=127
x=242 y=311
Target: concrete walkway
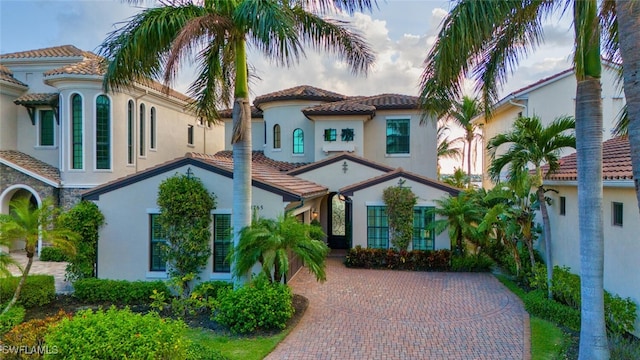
x=57 y=269
x=384 y=314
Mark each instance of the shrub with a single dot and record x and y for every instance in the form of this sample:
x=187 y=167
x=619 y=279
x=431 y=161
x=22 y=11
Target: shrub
x=13 y=317
x=116 y=334
x=624 y=348
x=259 y=305
x=537 y=304
x=360 y=257
x=471 y=263
x=122 y=292
x=51 y=253
x=31 y=335
x=38 y=290
x=400 y=201
x=211 y=289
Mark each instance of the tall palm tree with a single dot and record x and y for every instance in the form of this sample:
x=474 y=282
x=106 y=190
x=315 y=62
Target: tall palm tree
x=216 y=33
x=532 y=144
x=462 y=113
x=28 y=224
x=487 y=39
x=446 y=149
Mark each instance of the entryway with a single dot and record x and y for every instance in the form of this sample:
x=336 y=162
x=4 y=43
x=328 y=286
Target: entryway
x=339 y=221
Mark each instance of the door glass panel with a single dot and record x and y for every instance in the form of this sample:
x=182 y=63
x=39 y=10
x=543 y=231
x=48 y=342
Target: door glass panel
x=337 y=216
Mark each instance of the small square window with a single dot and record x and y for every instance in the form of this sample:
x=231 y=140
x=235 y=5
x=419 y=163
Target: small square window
x=563 y=205
x=330 y=134
x=347 y=134
x=617 y=214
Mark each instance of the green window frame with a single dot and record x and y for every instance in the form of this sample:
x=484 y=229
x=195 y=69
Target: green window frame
x=377 y=227
x=330 y=134
x=103 y=132
x=157 y=240
x=298 y=141
x=47 y=137
x=76 y=132
x=398 y=136
x=130 y=132
x=222 y=242
x=423 y=236
x=141 y=144
x=276 y=136
x=617 y=213
x=153 y=130
x=347 y=134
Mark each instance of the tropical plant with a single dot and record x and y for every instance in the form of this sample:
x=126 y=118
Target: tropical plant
x=28 y=224
x=487 y=39
x=400 y=201
x=457 y=179
x=463 y=113
x=269 y=242
x=461 y=216
x=532 y=144
x=446 y=147
x=216 y=32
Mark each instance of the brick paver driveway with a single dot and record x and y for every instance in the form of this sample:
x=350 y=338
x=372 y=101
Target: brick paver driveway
x=382 y=314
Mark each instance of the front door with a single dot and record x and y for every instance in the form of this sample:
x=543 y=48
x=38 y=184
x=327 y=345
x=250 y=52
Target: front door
x=339 y=221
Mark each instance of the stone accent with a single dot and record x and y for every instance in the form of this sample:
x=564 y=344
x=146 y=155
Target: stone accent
x=70 y=196
x=10 y=177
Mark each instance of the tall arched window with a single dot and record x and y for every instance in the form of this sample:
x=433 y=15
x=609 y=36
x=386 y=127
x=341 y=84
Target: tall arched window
x=276 y=136
x=76 y=132
x=141 y=141
x=130 y=132
x=152 y=129
x=298 y=141
x=103 y=132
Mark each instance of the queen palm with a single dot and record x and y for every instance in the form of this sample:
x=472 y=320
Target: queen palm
x=215 y=33
x=487 y=39
x=532 y=145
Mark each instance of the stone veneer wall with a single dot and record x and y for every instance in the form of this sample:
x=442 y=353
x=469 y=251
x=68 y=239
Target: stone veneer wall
x=70 y=196
x=10 y=176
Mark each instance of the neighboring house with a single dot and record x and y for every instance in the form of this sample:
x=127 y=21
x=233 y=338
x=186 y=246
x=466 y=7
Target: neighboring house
x=548 y=99
x=62 y=134
x=621 y=220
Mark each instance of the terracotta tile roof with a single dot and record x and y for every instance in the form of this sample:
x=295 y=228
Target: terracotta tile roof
x=56 y=51
x=616 y=162
x=258 y=157
x=226 y=113
x=7 y=75
x=399 y=173
x=31 y=164
x=365 y=105
x=37 y=99
x=91 y=66
x=340 y=157
x=302 y=92
x=340 y=108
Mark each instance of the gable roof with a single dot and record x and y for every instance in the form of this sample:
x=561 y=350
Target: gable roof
x=616 y=162
x=340 y=157
x=302 y=92
x=31 y=166
x=399 y=172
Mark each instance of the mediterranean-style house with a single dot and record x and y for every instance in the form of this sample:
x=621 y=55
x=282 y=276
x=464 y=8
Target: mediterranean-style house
x=621 y=219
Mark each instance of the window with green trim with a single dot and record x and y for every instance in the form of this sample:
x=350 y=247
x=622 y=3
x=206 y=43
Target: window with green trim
x=377 y=227
x=423 y=237
x=330 y=134
x=157 y=240
x=276 y=136
x=76 y=132
x=617 y=214
x=398 y=136
x=222 y=240
x=103 y=132
x=347 y=134
x=130 y=132
x=153 y=129
x=298 y=141
x=141 y=133
x=46 y=128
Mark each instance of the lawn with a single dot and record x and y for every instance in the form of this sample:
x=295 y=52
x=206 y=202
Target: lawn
x=241 y=348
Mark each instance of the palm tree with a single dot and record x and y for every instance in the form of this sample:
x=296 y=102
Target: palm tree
x=487 y=39
x=269 y=241
x=461 y=216
x=462 y=113
x=24 y=223
x=457 y=179
x=446 y=149
x=532 y=144
x=216 y=32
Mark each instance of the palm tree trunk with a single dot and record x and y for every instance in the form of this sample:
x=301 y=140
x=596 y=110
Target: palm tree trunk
x=23 y=280
x=546 y=225
x=628 y=13
x=469 y=140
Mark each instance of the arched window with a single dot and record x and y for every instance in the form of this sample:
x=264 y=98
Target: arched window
x=130 y=132
x=141 y=141
x=276 y=136
x=103 y=132
x=152 y=129
x=76 y=132
x=298 y=141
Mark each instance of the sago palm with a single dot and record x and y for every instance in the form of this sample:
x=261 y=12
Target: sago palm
x=214 y=34
x=486 y=39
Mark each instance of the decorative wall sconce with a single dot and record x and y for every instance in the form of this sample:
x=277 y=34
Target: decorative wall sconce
x=314 y=213
x=345 y=167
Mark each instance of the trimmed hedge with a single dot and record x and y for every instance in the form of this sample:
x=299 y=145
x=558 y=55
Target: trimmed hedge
x=121 y=292
x=53 y=254
x=419 y=260
x=471 y=263
x=38 y=290
x=13 y=317
x=537 y=304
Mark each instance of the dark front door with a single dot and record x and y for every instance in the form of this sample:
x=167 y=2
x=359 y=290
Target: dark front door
x=339 y=228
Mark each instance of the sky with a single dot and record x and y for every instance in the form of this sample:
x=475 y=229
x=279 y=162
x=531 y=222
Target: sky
x=401 y=32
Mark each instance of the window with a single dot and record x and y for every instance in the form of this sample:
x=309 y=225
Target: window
x=130 y=132
x=157 y=240
x=617 y=214
x=347 y=134
x=264 y=129
x=377 y=227
x=76 y=132
x=103 y=132
x=423 y=237
x=190 y=135
x=46 y=128
x=298 y=141
x=329 y=134
x=141 y=142
x=152 y=129
x=222 y=240
x=563 y=205
x=276 y=136
x=398 y=136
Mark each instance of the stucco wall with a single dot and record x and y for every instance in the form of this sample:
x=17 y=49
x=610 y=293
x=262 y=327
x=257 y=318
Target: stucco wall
x=288 y=114
x=334 y=177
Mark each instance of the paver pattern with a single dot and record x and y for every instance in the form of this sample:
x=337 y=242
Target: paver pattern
x=57 y=269
x=384 y=314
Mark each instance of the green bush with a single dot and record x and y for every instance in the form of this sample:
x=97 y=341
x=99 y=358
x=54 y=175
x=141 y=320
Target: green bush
x=471 y=263
x=211 y=289
x=13 y=317
x=54 y=254
x=31 y=335
x=537 y=304
x=360 y=257
x=122 y=292
x=38 y=290
x=118 y=334
x=624 y=348
x=256 y=306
